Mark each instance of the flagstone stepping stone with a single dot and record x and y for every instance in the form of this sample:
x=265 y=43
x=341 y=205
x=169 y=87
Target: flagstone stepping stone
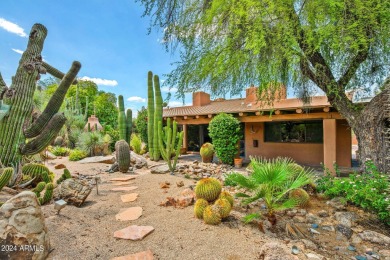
x=123 y=183
x=123 y=178
x=133 y=232
x=144 y=255
x=132 y=213
x=124 y=188
x=129 y=197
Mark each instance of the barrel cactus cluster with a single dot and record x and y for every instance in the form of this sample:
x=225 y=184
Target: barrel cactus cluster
x=155 y=107
x=16 y=124
x=212 y=204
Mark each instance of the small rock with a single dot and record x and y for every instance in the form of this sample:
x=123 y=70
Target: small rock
x=314 y=226
x=124 y=188
x=337 y=203
x=299 y=219
x=295 y=250
x=351 y=248
x=60 y=166
x=164 y=185
x=276 y=251
x=323 y=214
x=346 y=231
x=144 y=255
x=133 y=232
x=311 y=256
x=160 y=169
x=328 y=228
x=132 y=213
x=359 y=257
x=129 y=197
x=355 y=239
x=345 y=218
x=375 y=237
x=311 y=218
x=313 y=231
x=309 y=244
x=180 y=184
x=385 y=253
x=292 y=213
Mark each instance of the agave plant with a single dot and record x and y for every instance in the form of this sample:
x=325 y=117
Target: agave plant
x=271 y=181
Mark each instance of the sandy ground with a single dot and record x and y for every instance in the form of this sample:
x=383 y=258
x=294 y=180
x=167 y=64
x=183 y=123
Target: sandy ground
x=87 y=232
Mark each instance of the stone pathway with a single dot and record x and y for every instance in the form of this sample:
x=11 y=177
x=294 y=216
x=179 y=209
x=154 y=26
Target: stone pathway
x=132 y=232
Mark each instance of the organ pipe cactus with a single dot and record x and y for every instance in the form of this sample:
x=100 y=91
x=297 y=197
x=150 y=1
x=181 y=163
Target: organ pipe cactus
x=170 y=143
x=17 y=126
x=150 y=114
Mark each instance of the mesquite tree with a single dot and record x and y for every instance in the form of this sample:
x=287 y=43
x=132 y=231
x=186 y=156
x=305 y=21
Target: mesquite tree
x=18 y=124
x=333 y=45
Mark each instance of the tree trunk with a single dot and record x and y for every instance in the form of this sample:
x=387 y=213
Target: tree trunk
x=372 y=129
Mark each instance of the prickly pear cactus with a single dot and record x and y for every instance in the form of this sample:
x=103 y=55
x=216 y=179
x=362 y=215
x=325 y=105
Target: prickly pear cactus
x=122 y=151
x=16 y=125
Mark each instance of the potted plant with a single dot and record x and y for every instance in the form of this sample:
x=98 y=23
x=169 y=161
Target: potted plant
x=207 y=152
x=238 y=162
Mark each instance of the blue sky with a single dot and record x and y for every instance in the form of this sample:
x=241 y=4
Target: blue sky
x=109 y=38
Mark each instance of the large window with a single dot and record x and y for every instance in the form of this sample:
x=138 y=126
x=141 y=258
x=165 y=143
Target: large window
x=294 y=132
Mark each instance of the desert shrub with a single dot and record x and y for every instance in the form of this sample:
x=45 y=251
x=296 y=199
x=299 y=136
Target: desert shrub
x=59 y=151
x=77 y=155
x=135 y=143
x=141 y=124
x=370 y=190
x=113 y=133
x=90 y=142
x=225 y=133
x=271 y=181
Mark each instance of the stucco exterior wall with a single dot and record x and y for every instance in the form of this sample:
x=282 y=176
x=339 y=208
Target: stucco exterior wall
x=305 y=153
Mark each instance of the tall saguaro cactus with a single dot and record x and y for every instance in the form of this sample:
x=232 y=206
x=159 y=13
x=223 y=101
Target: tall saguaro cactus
x=18 y=125
x=157 y=116
x=150 y=114
x=170 y=143
x=155 y=106
x=122 y=119
x=129 y=124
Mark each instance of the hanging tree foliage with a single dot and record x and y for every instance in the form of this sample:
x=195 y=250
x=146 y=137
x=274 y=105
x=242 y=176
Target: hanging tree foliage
x=333 y=45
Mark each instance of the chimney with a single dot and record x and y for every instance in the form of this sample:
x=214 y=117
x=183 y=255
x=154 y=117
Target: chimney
x=251 y=94
x=200 y=98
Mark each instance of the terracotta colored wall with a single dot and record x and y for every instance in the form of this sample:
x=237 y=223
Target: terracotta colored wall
x=344 y=143
x=200 y=98
x=311 y=154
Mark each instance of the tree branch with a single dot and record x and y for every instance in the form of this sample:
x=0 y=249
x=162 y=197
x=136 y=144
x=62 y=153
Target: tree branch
x=360 y=57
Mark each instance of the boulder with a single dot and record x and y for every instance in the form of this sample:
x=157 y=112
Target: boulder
x=345 y=218
x=375 y=237
x=73 y=191
x=160 y=169
x=276 y=251
x=60 y=166
x=23 y=231
x=99 y=159
x=337 y=203
x=137 y=161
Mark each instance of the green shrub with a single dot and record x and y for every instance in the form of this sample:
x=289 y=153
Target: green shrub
x=225 y=133
x=370 y=190
x=113 y=133
x=77 y=155
x=271 y=181
x=135 y=143
x=59 y=151
x=90 y=142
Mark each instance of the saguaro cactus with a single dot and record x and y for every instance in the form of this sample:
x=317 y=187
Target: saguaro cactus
x=150 y=114
x=157 y=116
x=122 y=119
x=122 y=151
x=17 y=125
x=170 y=143
x=129 y=124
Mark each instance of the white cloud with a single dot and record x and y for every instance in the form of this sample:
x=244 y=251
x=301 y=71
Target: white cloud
x=102 y=82
x=12 y=27
x=18 y=51
x=136 y=99
x=175 y=104
x=166 y=89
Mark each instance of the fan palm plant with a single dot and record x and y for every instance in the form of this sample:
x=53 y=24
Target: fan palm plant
x=271 y=181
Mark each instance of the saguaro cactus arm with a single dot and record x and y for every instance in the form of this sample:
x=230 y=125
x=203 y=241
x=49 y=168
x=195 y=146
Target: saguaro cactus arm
x=54 y=103
x=40 y=142
x=55 y=72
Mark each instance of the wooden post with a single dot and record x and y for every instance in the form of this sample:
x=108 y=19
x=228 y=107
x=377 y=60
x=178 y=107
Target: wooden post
x=329 y=129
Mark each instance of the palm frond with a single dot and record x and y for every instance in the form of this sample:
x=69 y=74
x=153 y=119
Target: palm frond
x=249 y=218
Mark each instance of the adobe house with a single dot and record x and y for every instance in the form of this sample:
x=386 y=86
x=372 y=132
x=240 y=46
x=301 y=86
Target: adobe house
x=310 y=134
